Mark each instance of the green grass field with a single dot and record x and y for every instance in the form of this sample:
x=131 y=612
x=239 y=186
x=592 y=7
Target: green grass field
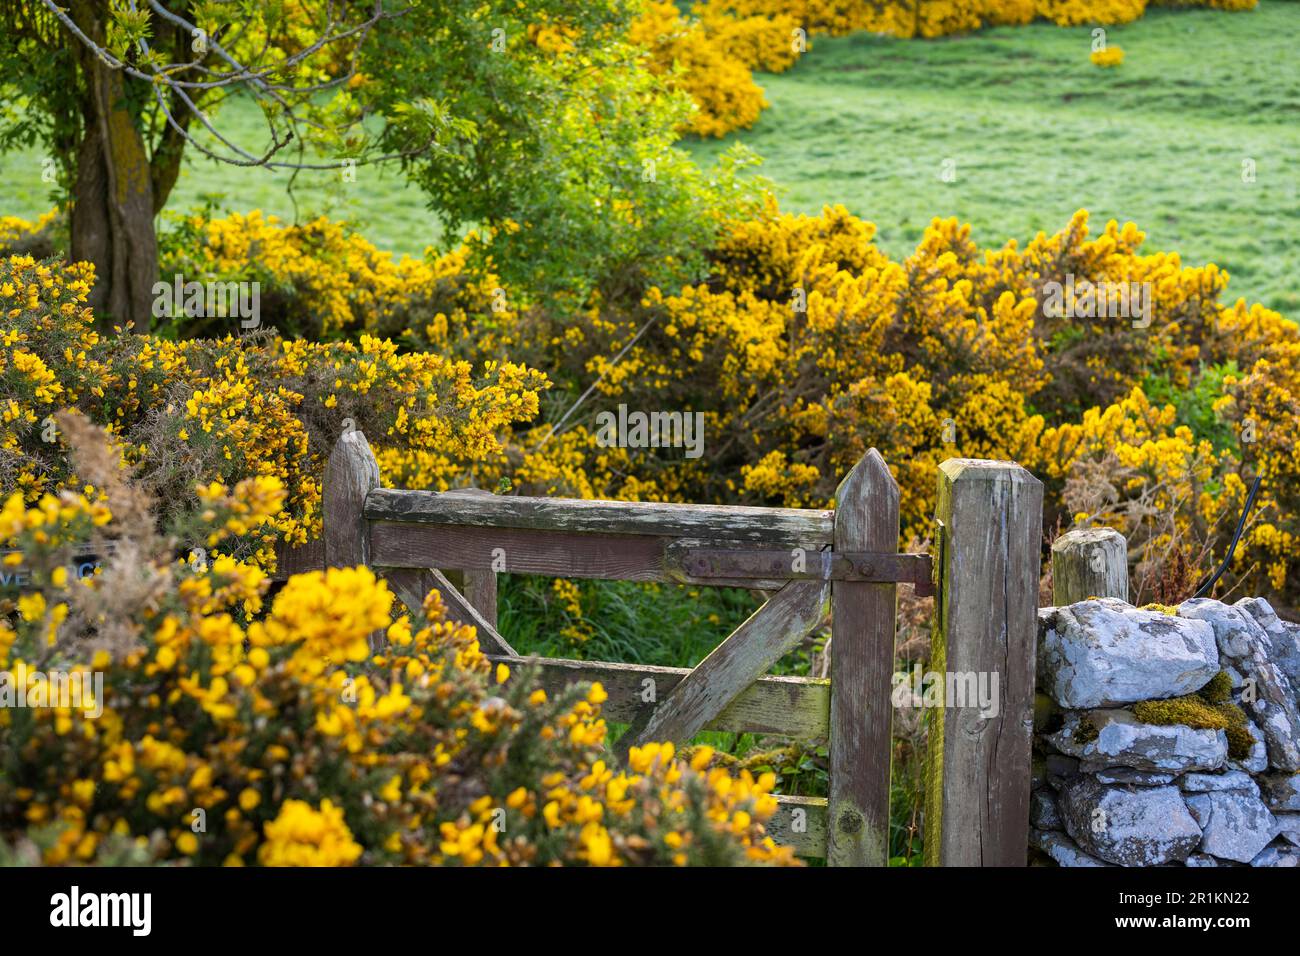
x=1036 y=132
x=390 y=212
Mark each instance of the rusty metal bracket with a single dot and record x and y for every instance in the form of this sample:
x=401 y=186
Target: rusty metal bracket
x=800 y=565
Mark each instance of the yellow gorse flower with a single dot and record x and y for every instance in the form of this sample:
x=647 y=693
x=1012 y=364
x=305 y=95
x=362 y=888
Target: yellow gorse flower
x=302 y=835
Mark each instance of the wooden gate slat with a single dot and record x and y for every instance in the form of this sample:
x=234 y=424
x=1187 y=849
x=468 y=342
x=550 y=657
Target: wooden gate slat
x=766 y=635
x=412 y=584
x=800 y=822
x=779 y=527
x=797 y=707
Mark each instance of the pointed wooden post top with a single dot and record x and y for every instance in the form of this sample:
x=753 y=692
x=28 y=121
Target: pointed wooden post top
x=865 y=484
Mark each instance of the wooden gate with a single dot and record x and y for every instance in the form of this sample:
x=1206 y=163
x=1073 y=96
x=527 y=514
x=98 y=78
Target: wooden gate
x=843 y=563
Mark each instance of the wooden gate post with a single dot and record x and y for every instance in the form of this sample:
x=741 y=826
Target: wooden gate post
x=985 y=628
x=862 y=667
x=1089 y=562
x=351 y=474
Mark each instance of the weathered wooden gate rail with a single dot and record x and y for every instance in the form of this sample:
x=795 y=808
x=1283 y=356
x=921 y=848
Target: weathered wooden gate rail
x=843 y=563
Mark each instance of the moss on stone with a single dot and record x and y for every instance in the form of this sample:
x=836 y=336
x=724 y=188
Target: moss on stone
x=1086 y=731
x=1197 y=712
x=1218 y=690
x=1191 y=711
x=1162 y=608
x=1240 y=740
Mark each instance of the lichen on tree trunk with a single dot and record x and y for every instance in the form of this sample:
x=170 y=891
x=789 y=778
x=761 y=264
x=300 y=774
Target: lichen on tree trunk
x=112 y=222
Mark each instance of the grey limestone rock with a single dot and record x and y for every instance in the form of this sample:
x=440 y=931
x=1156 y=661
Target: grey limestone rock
x=1210 y=782
x=1281 y=791
x=1118 y=739
x=1105 y=652
x=1266 y=693
x=1134 y=778
x=1043 y=812
x=1062 y=849
x=1277 y=855
x=1287 y=826
x=1234 y=826
x=1144 y=826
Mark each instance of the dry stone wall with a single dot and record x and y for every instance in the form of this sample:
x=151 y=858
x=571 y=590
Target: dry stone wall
x=1166 y=736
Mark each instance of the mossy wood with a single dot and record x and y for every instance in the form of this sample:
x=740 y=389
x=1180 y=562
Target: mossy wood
x=350 y=475
x=869 y=566
x=800 y=822
x=561 y=554
x=978 y=766
x=794 y=527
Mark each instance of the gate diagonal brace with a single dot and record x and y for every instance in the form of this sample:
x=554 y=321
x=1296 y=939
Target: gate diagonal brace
x=873 y=567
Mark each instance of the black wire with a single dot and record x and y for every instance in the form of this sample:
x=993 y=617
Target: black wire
x=1241 y=523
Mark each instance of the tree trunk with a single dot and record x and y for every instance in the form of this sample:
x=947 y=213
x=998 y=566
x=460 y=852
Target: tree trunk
x=112 y=205
x=90 y=232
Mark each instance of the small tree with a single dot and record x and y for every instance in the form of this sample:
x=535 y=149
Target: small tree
x=116 y=89
x=570 y=172
x=533 y=121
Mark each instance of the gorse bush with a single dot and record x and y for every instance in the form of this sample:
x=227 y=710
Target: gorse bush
x=711 y=52
x=232 y=728
x=41 y=238
x=320 y=280
x=710 y=58
x=805 y=346
x=919 y=18
x=224 y=409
